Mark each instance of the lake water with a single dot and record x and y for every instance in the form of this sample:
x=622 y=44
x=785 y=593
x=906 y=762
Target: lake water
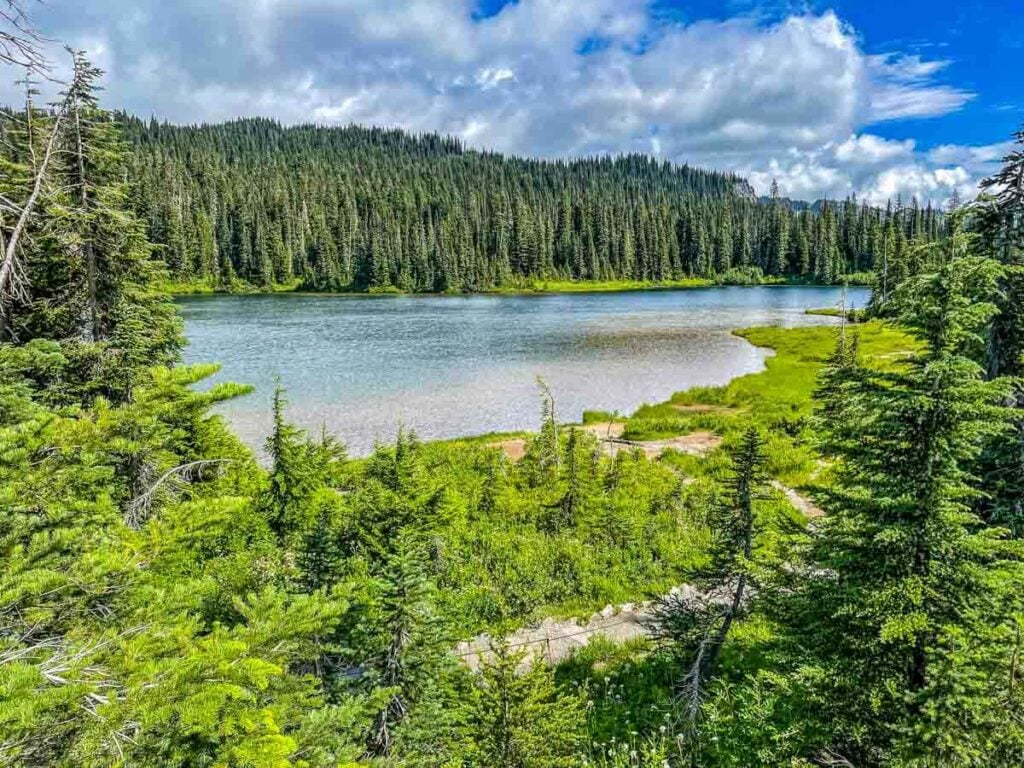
x=450 y=366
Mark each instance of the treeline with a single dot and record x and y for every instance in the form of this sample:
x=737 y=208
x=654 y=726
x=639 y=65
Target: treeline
x=256 y=203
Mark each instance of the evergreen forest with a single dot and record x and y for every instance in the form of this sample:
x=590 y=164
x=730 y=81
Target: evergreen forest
x=252 y=204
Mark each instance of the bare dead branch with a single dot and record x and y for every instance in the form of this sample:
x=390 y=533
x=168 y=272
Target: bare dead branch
x=20 y=44
x=138 y=508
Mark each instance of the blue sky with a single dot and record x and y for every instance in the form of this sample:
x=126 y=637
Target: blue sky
x=830 y=98
x=984 y=45
x=982 y=40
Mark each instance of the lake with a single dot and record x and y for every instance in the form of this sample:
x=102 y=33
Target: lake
x=451 y=366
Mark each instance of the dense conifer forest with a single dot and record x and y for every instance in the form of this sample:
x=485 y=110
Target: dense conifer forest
x=253 y=203
x=835 y=581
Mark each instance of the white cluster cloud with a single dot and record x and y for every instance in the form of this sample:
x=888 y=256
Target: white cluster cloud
x=789 y=99
x=877 y=170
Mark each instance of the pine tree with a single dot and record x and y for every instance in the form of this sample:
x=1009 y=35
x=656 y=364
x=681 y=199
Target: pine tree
x=543 y=460
x=414 y=645
x=905 y=607
x=300 y=469
x=998 y=221
x=519 y=719
x=319 y=557
x=90 y=282
x=723 y=242
x=696 y=626
x=579 y=481
x=778 y=242
x=386 y=209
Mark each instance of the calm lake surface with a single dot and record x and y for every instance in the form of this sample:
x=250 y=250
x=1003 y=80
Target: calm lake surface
x=453 y=366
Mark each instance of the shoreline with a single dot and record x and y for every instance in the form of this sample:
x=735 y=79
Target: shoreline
x=688 y=402
x=664 y=398
x=782 y=388
x=546 y=288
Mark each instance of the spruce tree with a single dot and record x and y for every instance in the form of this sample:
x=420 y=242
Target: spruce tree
x=301 y=469
x=384 y=209
x=998 y=220
x=319 y=557
x=905 y=610
x=519 y=719
x=696 y=625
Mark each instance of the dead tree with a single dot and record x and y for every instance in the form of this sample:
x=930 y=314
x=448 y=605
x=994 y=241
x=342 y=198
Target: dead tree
x=12 y=280
x=696 y=625
x=20 y=44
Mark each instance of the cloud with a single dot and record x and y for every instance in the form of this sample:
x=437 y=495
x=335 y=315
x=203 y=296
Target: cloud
x=878 y=169
x=792 y=98
x=904 y=88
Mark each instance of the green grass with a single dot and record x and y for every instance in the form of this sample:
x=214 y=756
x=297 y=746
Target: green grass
x=782 y=391
x=525 y=287
x=852 y=315
x=600 y=417
x=484 y=439
x=186 y=288
x=601 y=286
x=196 y=287
x=778 y=399
x=860 y=278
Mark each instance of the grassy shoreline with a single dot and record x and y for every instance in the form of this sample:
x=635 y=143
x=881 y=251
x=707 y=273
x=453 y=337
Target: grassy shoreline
x=778 y=398
x=533 y=288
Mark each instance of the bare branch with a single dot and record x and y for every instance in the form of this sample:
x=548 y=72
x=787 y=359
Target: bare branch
x=20 y=44
x=139 y=507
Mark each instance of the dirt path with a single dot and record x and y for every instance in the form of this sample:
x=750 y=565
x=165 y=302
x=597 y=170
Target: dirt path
x=555 y=640
x=695 y=443
x=802 y=503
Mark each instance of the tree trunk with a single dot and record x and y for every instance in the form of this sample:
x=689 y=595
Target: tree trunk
x=8 y=274
x=89 y=250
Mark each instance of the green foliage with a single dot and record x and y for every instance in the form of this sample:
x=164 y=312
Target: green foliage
x=148 y=629
x=167 y=601
x=85 y=275
x=909 y=598
x=304 y=477
x=519 y=719
x=695 y=627
x=252 y=204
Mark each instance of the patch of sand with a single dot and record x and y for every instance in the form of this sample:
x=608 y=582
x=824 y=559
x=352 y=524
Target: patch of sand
x=514 y=448
x=695 y=444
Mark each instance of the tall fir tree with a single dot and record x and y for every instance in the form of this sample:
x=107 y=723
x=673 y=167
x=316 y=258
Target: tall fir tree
x=906 y=608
